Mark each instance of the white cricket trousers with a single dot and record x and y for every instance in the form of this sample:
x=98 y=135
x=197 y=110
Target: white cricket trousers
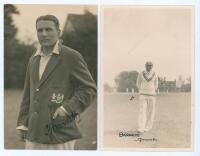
x=146 y=112
x=37 y=146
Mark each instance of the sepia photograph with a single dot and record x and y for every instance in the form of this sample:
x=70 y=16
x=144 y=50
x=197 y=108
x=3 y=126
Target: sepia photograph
x=50 y=77
x=147 y=78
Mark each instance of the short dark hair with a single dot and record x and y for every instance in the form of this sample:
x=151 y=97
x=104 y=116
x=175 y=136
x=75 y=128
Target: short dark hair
x=52 y=18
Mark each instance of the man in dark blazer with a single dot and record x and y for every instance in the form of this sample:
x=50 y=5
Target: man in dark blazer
x=57 y=88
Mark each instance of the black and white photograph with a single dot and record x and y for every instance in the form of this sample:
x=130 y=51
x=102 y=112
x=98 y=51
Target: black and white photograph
x=50 y=77
x=100 y=77
x=147 y=78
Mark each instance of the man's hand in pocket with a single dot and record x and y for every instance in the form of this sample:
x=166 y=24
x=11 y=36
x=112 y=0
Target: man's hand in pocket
x=59 y=112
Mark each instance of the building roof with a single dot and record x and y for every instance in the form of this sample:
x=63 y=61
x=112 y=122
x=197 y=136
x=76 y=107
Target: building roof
x=77 y=22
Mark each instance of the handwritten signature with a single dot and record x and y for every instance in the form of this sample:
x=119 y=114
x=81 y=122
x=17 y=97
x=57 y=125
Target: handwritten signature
x=136 y=135
x=146 y=139
x=129 y=134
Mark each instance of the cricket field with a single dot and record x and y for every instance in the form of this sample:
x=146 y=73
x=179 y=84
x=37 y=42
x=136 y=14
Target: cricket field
x=172 y=126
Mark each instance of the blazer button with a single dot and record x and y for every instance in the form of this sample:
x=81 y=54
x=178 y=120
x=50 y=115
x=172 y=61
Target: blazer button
x=35 y=112
x=37 y=89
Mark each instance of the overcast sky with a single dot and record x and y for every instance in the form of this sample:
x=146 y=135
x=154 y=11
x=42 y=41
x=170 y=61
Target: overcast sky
x=25 y=22
x=132 y=36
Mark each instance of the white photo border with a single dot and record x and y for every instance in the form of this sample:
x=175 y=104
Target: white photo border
x=99 y=152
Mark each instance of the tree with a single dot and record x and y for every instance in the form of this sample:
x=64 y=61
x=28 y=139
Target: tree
x=107 y=88
x=16 y=54
x=126 y=80
x=9 y=39
x=9 y=30
x=80 y=33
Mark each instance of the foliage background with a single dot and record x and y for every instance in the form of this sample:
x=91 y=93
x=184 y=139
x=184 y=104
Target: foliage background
x=17 y=53
x=16 y=57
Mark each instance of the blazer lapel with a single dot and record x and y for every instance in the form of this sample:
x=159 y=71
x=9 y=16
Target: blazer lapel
x=54 y=60
x=35 y=69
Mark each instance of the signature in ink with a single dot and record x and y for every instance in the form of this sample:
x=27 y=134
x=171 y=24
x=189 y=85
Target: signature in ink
x=129 y=134
x=146 y=139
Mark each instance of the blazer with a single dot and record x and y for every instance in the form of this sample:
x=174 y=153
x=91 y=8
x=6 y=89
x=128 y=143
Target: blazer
x=65 y=82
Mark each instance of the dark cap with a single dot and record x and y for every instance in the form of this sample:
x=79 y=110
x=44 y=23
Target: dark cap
x=149 y=63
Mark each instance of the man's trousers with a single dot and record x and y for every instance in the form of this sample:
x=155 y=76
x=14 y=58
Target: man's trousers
x=146 y=112
x=37 y=146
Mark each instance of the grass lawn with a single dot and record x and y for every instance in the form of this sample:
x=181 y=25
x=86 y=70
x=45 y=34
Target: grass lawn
x=12 y=98
x=171 y=129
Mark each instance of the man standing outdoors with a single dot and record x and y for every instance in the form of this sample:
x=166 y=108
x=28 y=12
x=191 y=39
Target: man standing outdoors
x=147 y=83
x=58 y=87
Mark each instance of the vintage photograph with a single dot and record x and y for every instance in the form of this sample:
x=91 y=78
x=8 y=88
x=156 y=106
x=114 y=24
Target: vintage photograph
x=50 y=77
x=147 y=78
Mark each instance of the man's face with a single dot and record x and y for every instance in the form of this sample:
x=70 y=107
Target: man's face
x=47 y=33
x=149 y=68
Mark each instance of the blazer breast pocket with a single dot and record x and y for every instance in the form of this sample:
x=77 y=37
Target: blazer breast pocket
x=56 y=96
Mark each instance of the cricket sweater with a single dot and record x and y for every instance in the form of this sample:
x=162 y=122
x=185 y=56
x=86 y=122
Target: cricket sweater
x=147 y=83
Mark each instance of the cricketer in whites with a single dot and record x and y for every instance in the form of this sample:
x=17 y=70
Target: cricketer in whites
x=58 y=87
x=147 y=83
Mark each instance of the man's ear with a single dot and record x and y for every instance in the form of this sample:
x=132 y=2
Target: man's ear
x=59 y=32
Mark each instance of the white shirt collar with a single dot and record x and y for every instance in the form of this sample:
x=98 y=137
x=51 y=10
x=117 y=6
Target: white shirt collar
x=55 y=50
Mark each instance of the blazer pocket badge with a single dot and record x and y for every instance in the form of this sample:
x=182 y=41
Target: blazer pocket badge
x=57 y=98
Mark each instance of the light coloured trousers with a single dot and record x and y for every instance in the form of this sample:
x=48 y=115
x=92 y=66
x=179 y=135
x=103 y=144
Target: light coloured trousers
x=146 y=112
x=37 y=146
